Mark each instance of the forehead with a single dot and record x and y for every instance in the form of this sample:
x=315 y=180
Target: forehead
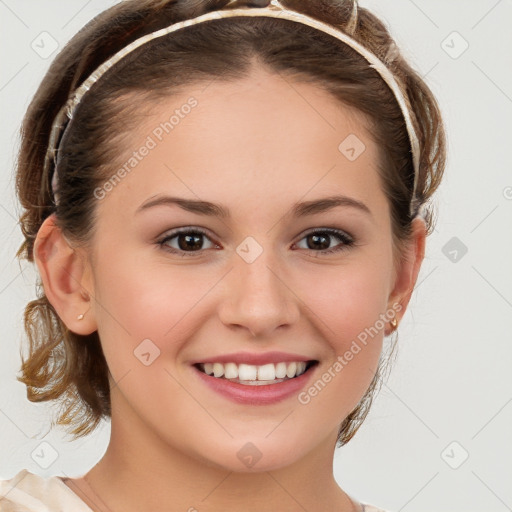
x=259 y=136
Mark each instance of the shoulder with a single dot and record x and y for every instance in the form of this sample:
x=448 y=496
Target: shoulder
x=28 y=492
x=372 y=508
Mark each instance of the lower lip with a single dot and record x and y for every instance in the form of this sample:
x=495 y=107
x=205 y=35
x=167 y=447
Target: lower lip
x=256 y=395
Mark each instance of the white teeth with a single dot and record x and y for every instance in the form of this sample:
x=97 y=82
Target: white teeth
x=218 y=370
x=280 y=370
x=231 y=371
x=248 y=372
x=267 y=372
x=291 y=371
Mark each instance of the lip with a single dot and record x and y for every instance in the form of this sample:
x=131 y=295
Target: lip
x=265 y=394
x=255 y=358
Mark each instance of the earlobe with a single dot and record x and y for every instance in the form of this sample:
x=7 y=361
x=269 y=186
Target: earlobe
x=409 y=268
x=62 y=272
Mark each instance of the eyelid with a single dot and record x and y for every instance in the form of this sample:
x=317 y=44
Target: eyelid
x=172 y=233
x=327 y=229
x=346 y=240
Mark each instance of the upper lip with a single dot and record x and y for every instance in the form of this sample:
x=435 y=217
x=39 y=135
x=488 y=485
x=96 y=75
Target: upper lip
x=255 y=358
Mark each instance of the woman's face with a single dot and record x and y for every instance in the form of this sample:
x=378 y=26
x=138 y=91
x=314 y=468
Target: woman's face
x=259 y=287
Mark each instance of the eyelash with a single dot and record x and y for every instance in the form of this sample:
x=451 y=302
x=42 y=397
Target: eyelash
x=347 y=240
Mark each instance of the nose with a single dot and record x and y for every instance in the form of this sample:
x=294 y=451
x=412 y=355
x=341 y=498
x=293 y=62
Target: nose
x=257 y=298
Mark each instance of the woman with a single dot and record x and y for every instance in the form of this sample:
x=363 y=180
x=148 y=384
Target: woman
x=227 y=203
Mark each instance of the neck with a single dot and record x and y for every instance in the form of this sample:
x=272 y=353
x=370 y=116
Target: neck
x=139 y=471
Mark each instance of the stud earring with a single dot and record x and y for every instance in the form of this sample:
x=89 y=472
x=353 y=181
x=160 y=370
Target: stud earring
x=81 y=315
x=394 y=323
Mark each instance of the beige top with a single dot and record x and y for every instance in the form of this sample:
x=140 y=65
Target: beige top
x=28 y=492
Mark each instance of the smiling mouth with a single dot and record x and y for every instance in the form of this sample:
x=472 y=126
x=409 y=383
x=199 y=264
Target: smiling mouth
x=256 y=375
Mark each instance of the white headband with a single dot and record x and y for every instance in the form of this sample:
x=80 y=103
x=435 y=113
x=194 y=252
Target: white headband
x=273 y=10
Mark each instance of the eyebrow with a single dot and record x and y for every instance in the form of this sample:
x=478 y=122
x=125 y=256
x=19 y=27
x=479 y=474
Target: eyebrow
x=215 y=210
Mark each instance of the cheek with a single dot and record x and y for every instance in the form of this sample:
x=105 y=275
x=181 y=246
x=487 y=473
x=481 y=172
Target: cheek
x=347 y=301
x=347 y=306
x=146 y=300
x=148 y=313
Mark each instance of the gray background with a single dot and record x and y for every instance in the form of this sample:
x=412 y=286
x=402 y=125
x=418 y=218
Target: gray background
x=438 y=436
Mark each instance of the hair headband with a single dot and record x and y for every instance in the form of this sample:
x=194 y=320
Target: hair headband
x=273 y=10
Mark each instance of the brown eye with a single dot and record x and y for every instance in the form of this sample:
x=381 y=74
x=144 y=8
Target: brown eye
x=320 y=241
x=188 y=240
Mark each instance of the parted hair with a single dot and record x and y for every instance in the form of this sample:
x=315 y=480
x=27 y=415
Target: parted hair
x=71 y=369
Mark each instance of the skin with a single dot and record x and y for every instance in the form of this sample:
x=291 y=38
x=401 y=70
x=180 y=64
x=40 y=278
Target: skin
x=257 y=146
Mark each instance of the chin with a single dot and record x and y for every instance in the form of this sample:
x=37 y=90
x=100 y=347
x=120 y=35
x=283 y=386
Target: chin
x=254 y=455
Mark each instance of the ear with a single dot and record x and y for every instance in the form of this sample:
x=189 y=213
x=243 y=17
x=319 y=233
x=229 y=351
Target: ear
x=64 y=277
x=408 y=269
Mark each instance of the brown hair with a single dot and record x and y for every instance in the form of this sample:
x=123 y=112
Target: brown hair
x=71 y=368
